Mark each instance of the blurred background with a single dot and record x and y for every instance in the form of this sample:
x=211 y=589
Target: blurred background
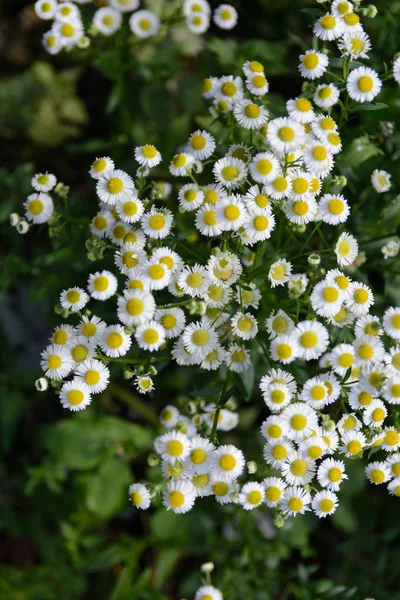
x=67 y=528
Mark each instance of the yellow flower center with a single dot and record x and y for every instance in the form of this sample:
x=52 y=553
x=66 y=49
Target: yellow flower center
x=254 y=497
x=228 y=89
x=54 y=361
x=79 y=353
x=280 y=184
x=150 y=336
x=67 y=30
x=378 y=415
x=252 y=111
x=75 y=397
x=311 y=61
x=300 y=185
x=300 y=207
x=352 y=19
x=259 y=81
x=303 y=105
x=260 y=223
x=392 y=438
x=245 y=324
x=200 y=337
x=101 y=283
x=149 y=151
x=205 y=86
x=274 y=431
x=230 y=173
x=145 y=24
x=318 y=392
x=361 y=296
x=36 y=207
x=334 y=474
x=264 y=166
x=298 y=422
x=175 y=448
x=354 y=447
x=176 y=499
x=284 y=351
x=286 y=134
x=314 y=452
x=115 y=185
x=377 y=476
x=330 y=294
x=73 y=296
x=346 y=360
x=279 y=452
x=277 y=396
x=365 y=83
x=232 y=212
x=157 y=222
x=114 y=340
x=156 y=271
x=295 y=504
x=220 y=489
x=319 y=153
x=326 y=505
x=309 y=339
x=198 y=456
x=298 y=467
x=336 y=207
x=325 y=93
x=395 y=390
x=100 y=223
x=365 y=351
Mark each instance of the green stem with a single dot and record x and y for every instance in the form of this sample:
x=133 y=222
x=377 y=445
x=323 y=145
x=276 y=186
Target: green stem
x=131 y=400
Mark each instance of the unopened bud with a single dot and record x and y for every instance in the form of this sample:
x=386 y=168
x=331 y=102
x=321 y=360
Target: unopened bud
x=329 y=425
x=252 y=467
x=22 y=227
x=279 y=522
x=41 y=384
x=128 y=374
x=153 y=460
x=207 y=567
x=14 y=219
x=314 y=260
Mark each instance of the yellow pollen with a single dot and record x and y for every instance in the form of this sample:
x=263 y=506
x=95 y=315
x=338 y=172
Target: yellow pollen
x=220 y=489
x=230 y=173
x=330 y=294
x=136 y=498
x=99 y=165
x=176 y=499
x=335 y=207
x=194 y=280
x=298 y=422
x=318 y=392
x=378 y=415
x=300 y=185
x=334 y=474
x=319 y=153
x=54 y=361
x=150 y=336
x=354 y=447
x=79 y=353
x=295 y=504
x=326 y=505
x=92 y=377
x=396 y=321
x=200 y=337
x=264 y=166
x=310 y=61
x=327 y=124
x=273 y=494
x=361 y=296
x=300 y=207
x=232 y=212
x=284 y=351
x=101 y=283
x=286 y=134
x=303 y=105
x=145 y=24
x=280 y=184
x=75 y=397
x=205 y=86
x=156 y=271
x=114 y=340
x=261 y=223
x=395 y=390
x=352 y=19
x=168 y=321
x=279 y=325
x=100 y=223
x=228 y=89
x=298 y=467
x=115 y=185
x=365 y=351
x=279 y=452
x=328 y=22
x=314 y=452
x=325 y=93
x=67 y=30
x=377 y=476
x=175 y=448
x=259 y=81
x=135 y=306
x=157 y=222
x=346 y=360
x=36 y=206
x=392 y=438
x=73 y=296
x=365 y=83
x=254 y=497
x=274 y=431
x=252 y=111
x=309 y=339
x=60 y=337
x=198 y=456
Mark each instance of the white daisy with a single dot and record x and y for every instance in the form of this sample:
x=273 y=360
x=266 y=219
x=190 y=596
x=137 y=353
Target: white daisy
x=324 y=503
x=75 y=395
x=101 y=166
x=139 y=495
x=157 y=223
x=301 y=420
x=114 y=341
x=326 y=95
x=250 y=115
x=74 y=299
x=331 y=473
x=150 y=335
x=295 y=501
x=94 y=374
x=144 y=24
x=285 y=135
x=39 y=207
x=56 y=362
x=328 y=27
x=102 y=285
x=346 y=249
x=113 y=186
x=377 y=472
x=107 y=20
x=313 y=64
x=179 y=496
x=363 y=84
x=238 y=358
x=225 y=16
x=227 y=462
x=359 y=298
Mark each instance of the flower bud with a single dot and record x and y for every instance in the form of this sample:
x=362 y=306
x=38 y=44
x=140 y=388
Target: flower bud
x=207 y=567
x=314 y=260
x=22 y=227
x=153 y=460
x=152 y=370
x=279 y=522
x=329 y=425
x=128 y=374
x=41 y=384
x=252 y=467
x=14 y=219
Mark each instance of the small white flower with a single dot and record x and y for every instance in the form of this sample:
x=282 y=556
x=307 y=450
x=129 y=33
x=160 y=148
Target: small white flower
x=75 y=395
x=363 y=84
x=139 y=495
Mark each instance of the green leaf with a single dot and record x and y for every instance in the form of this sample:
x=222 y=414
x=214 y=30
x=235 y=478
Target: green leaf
x=360 y=106
x=107 y=489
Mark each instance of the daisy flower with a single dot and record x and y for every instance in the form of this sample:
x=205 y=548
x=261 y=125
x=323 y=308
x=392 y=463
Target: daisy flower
x=227 y=462
x=157 y=223
x=75 y=395
x=326 y=95
x=276 y=451
x=276 y=396
x=295 y=501
x=391 y=390
x=199 y=338
x=94 y=374
x=250 y=115
x=102 y=285
x=257 y=84
x=155 y=274
x=181 y=164
x=113 y=186
x=225 y=16
x=326 y=299
x=179 y=496
x=198 y=23
x=396 y=70
x=73 y=299
x=206 y=221
x=279 y=323
x=150 y=335
x=264 y=167
x=224 y=268
x=353 y=443
x=194 y=281
x=346 y=249
x=114 y=341
x=312 y=339
x=238 y=358
x=301 y=212
x=333 y=209
x=230 y=88
x=274 y=488
x=201 y=145
x=331 y=473
x=394 y=487
x=363 y=84
x=359 y=298
x=375 y=414
x=313 y=64
x=222 y=488
x=230 y=172
x=39 y=208
x=301 y=420
x=300 y=110
x=351 y=22
x=43 y=182
x=328 y=27
x=391 y=441
x=244 y=325
x=393 y=464
x=313 y=448
x=130 y=209
x=391 y=322
x=135 y=307
x=63 y=335
x=101 y=166
x=45 y=9
x=355 y=44
x=172 y=446
x=259 y=225
x=284 y=349
x=285 y=134
x=144 y=24
x=139 y=495
x=107 y=20
x=381 y=181
x=377 y=472
x=56 y=362
x=368 y=350
x=101 y=223
x=279 y=272
x=147 y=156
x=317 y=158
x=324 y=503
x=68 y=32
x=278 y=187
x=51 y=41
x=297 y=470
x=208 y=592
x=251 y=495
